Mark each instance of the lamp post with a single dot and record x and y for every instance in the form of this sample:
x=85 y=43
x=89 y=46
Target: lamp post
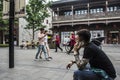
x=11 y=33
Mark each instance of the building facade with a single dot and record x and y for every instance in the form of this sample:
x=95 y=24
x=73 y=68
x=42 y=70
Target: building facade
x=19 y=12
x=20 y=33
x=100 y=17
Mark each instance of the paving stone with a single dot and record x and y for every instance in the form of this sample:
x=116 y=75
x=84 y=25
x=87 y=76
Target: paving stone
x=28 y=69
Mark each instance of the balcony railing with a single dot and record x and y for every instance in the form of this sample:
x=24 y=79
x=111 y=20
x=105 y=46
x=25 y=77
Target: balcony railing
x=87 y=16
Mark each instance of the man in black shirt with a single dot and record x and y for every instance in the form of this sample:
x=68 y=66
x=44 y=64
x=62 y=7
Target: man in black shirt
x=100 y=65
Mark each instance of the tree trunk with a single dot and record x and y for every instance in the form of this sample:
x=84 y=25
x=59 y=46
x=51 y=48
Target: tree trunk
x=33 y=33
x=3 y=38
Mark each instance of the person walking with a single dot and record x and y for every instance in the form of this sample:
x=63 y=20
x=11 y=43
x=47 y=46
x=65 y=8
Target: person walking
x=72 y=42
x=57 y=43
x=101 y=68
x=46 y=45
x=41 y=46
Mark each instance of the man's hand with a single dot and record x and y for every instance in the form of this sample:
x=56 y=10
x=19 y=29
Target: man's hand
x=69 y=65
x=76 y=48
x=46 y=33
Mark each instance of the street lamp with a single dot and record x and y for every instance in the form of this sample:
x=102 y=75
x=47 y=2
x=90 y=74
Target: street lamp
x=11 y=33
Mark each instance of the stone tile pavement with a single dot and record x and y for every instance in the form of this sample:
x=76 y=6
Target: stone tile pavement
x=28 y=69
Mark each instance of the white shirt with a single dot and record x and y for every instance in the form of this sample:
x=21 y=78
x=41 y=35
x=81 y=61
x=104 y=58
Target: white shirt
x=46 y=39
x=41 y=41
x=66 y=40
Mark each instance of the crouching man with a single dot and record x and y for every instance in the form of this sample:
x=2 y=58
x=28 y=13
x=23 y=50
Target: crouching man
x=101 y=67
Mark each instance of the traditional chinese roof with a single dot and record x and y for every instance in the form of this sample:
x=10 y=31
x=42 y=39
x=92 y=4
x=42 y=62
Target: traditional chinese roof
x=67 y=2
x=72 y=2
x=64 y=1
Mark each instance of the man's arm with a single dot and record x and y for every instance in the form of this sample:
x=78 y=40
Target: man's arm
x=80 y=63
x=40 y=37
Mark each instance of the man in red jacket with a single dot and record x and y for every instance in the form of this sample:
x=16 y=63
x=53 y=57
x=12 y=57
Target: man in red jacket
x=57 y=43
x=72 y=42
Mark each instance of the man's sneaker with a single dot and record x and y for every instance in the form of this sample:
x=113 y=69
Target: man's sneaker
x=35 y=59
x=40 y=57
x=47 y=59
x=68 y=53
x=50 y=57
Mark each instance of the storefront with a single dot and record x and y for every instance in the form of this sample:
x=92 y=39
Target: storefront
x=113 y=37
x=65 y=37
x=97 y=33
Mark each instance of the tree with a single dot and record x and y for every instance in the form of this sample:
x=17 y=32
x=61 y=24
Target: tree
x=3 y=23
x=37 y=11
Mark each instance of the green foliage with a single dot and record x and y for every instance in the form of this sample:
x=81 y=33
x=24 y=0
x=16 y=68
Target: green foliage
x=37 y=11
x=4 y=45
x=3 y=23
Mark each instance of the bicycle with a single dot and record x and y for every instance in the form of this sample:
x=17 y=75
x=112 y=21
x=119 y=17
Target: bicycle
x=67 y=46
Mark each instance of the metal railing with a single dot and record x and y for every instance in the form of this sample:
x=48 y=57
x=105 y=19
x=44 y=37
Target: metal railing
x=88 y=16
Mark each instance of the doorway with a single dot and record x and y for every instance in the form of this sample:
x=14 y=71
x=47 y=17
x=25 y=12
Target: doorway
x=113 y=37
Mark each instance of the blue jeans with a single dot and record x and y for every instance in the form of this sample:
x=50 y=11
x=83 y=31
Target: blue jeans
x=41 y=47
x=86 y=75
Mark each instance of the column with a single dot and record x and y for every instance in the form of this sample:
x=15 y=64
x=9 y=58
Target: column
x=88 y=5
x=106 y=7
x=72 y=14
x=58 y=18
x=57 y=13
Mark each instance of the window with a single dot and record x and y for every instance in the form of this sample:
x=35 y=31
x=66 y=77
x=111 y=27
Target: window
x=115 y=8
x=75 y=12
x=91 y=11
x=101 y=9
x=64 y=13
x=111 y=9
x=68 y=13
x=98 y=10
x=94 y=10
x=108 y=9
x=79 y=12
x=82 y=12
x=85 y=11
